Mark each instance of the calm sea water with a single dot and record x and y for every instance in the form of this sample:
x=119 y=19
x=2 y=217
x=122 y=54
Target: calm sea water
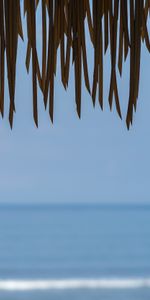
x=75 y=252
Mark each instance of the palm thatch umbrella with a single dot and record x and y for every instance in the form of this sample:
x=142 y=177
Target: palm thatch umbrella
x=120 y=25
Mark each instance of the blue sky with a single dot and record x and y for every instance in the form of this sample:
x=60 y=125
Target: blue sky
x=94 y=159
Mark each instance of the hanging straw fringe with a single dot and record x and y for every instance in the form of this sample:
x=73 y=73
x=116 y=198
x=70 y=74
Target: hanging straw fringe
x=119 y=24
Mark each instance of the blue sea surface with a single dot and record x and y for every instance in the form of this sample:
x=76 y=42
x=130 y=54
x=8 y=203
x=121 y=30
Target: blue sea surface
x=64 y=246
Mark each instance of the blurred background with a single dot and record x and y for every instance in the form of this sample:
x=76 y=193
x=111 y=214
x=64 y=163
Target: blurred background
x=74 y=196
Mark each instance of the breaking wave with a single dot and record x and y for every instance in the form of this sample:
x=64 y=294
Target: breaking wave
x=25 y=285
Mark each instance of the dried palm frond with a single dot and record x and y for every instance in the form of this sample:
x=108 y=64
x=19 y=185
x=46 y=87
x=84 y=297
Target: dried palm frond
x=118 y=24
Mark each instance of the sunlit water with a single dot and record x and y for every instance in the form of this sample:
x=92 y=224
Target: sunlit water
x=75 y=252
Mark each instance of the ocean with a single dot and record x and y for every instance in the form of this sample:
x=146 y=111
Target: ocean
x=74 y=252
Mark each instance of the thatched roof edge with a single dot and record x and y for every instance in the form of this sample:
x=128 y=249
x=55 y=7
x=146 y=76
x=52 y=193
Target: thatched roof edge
x=119 y=24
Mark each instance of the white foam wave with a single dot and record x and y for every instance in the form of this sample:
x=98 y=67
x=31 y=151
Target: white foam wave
x=26 y=285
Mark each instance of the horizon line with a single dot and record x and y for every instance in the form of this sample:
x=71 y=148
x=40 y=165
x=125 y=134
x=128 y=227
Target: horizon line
x=33 y=203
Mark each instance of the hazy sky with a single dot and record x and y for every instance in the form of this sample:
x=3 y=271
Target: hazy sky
x=92 y=160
